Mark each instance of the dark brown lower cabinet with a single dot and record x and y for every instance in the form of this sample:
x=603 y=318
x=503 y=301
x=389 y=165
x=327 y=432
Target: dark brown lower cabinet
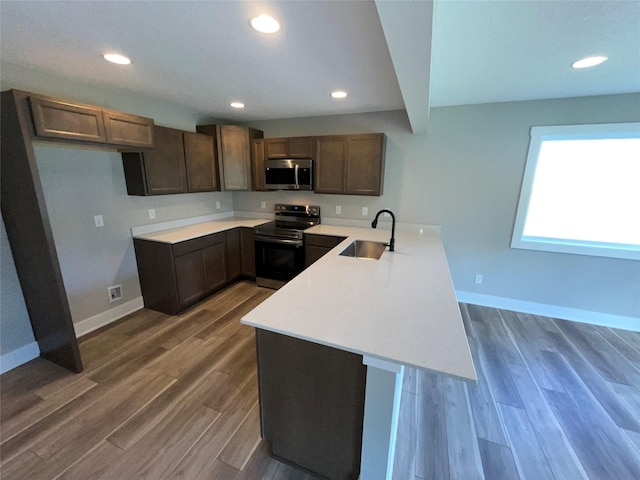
x=175 y=276
x=317 y=246
x=248 y=245
x=216 y=273
x=311 y=404
x=234 y=260
x=190 y=277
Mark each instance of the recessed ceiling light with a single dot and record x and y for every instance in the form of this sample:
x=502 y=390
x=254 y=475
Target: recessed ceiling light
x=265 y=24
x=339 y=94
x=589 y=62
x=116 y=58
x=237 y=104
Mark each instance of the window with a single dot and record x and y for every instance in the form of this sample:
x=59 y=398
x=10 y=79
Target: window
x=581 y=191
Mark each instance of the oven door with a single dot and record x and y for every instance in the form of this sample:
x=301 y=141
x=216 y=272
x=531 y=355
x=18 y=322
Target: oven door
x=278 y=260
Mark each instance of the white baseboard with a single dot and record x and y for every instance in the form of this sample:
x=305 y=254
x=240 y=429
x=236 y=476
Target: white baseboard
x=105 y=318
x=564 y=313
x=17 y=357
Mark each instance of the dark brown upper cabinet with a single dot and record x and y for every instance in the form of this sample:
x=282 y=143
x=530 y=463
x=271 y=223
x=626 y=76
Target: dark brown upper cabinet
x=126 y=129
x=60 y=120
x=350 y=164
x=329 y=165
x=258 y=181
x=157 y=171
x=293 y=147
x=233 y=146
x=199 y=154
x=181 y=162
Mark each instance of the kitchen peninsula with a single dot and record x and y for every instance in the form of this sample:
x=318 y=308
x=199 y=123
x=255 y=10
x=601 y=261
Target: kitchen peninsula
x=397 y=311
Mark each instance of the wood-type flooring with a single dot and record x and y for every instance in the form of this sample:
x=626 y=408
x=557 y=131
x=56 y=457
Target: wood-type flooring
x=555 y=400
x=175 y=397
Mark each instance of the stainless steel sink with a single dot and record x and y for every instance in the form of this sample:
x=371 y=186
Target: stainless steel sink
x=364 y=249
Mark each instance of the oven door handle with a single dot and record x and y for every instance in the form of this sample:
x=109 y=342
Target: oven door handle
x=279 y=241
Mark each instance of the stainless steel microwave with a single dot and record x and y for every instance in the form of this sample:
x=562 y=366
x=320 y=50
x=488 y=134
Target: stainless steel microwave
x=289 y=174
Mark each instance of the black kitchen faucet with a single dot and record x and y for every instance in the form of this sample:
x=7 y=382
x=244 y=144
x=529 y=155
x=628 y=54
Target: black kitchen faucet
x=374 y=224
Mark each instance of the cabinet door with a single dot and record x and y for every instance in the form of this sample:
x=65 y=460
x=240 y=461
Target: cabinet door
x=247 y=242
x=364 y=165
x=329 y=165
x=200 y=161
x=156 y=270
x=276 y=147
x=234 y=262
x=164 y=165
x=313 y=253
x=215 y=264
x=311 y=403
x=56 y=119
x=233 y=154
x=190 y=277
x=258 y=182
x=301 y=147
x=126 y=129
x=317 y=246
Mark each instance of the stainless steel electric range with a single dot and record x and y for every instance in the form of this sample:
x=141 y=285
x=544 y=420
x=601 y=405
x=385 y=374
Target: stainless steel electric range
x=280 y=244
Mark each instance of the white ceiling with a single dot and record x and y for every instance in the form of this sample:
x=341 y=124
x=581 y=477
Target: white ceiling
x=204 y=54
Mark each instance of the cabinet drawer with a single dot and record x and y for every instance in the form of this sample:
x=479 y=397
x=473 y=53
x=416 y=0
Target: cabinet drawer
x=322 y=240
x=199 y=243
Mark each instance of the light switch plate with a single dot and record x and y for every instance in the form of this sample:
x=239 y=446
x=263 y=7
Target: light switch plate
x=365 y=211
x=98 y=220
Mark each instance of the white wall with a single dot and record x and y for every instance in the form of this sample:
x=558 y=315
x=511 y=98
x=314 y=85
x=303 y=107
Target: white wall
x=465 y=175
x=80 y=183
x=15 y=329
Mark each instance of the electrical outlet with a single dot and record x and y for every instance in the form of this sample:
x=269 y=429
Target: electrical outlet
x=98 y=220
x=152 y=213
x=478 y=279
x=365 y=211
x=218 y=205
x=263 y=204
x=115 y=293
x=338 y=210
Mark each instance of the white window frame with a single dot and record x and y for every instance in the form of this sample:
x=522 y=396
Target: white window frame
x=568 y=132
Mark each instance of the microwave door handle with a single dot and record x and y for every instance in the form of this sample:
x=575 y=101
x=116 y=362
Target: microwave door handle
x=296 y=175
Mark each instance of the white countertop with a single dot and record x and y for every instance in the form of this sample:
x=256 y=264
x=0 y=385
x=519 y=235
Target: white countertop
x=190 y=232
x=401 y=308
